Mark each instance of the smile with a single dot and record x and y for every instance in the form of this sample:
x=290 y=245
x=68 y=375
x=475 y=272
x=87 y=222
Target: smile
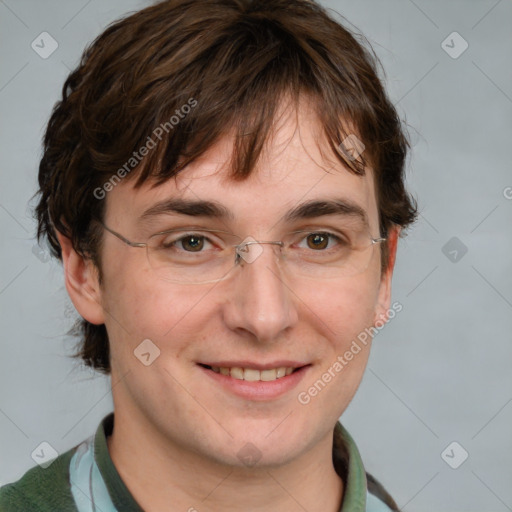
x=256 y=382
x=251 y=374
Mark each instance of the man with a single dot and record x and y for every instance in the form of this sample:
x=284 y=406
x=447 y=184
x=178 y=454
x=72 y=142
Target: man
x=224 y=184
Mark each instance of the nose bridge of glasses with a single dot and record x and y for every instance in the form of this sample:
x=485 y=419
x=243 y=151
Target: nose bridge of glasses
x=244 y=252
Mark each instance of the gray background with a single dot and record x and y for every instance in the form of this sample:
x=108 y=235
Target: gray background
x=440 y=371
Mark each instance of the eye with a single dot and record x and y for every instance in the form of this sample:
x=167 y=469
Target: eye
x=322 y=240
x=191 y=242
x=317 y=241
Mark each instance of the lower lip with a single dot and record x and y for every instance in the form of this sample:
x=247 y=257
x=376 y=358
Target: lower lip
x=258 y=390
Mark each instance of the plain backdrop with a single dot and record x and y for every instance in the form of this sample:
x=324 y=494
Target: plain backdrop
x=440 y=371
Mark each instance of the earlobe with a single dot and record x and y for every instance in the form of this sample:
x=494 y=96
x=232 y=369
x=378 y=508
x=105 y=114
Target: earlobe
x=82 y=282
x=384 y=295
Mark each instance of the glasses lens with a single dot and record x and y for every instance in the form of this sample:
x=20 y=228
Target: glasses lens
x=192 y=257
x=328 y=254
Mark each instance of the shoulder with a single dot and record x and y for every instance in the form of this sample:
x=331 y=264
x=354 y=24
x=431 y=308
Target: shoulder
x=40 y=490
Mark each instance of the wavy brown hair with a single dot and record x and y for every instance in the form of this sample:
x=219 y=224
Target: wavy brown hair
x=237 y=59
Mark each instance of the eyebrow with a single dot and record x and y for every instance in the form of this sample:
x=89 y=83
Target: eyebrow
x=188 y=207
x=318 y=208
x=213 y=209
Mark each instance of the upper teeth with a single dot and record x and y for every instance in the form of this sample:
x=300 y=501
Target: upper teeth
x=252 y=375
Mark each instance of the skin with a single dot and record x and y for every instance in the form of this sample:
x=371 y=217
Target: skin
x=177 y=433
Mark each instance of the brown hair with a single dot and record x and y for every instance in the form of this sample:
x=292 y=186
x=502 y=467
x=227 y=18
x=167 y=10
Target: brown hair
x=231 y=62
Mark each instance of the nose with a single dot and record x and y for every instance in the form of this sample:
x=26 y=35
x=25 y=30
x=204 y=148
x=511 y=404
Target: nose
x=260 y=300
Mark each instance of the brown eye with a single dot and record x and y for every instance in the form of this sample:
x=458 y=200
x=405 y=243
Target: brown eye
x=317 y=241
x=192 y=243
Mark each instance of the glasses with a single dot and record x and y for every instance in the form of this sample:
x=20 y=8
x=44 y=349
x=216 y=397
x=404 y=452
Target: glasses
x=200 y=256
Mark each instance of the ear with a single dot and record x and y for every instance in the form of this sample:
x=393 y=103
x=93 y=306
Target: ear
x=82 y=282
x=384 y=296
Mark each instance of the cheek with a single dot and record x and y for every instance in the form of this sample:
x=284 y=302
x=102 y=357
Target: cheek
x=342 y=315
x=141 y=307
x=343 y=309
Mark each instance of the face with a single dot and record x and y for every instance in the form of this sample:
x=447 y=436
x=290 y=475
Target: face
x=260 y=318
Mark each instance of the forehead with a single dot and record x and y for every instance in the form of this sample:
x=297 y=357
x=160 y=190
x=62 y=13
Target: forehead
x=296 y=166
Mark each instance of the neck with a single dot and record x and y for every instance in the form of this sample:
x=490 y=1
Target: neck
x=158 y=473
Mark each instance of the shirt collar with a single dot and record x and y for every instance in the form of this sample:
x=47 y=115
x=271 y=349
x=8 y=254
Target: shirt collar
x=346 y=459
x=119 y=493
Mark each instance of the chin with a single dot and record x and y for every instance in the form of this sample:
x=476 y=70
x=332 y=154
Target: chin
x=264 y=445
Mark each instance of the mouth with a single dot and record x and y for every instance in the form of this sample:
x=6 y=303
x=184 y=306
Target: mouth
x=255 y=382
x=253 y=374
